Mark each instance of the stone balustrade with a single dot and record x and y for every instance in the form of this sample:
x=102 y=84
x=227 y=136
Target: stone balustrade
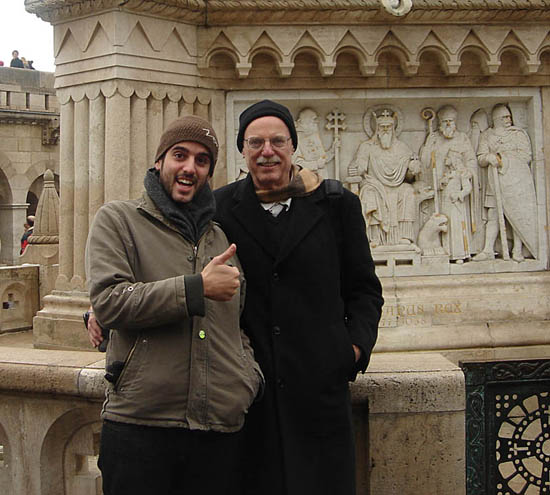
x=27 y=90
x=18 y=297
x=411 y=441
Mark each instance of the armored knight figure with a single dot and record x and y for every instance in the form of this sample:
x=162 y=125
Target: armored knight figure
x=387 y=167
x=507 y=149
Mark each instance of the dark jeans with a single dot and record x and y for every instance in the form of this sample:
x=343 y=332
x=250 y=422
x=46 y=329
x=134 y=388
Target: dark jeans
x=137 y=460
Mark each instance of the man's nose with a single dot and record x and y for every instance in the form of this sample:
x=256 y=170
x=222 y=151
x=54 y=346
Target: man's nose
x=188 y=166
x=267 y=150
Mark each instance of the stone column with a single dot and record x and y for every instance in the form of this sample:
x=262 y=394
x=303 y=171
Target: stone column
x=121 y=77
x=110 y=132
x=12 y=218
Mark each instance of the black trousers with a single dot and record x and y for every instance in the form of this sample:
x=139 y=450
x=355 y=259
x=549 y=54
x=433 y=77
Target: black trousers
x=145 y=460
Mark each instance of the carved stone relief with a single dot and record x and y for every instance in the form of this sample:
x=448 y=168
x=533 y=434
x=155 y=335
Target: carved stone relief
x=442 y=186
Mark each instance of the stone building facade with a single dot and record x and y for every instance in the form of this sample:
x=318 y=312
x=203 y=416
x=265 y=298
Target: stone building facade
x=462 y=90
x=124 y=71
x=29 y=136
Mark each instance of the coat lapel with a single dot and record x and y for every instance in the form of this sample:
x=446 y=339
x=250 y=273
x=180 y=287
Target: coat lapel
x=251 y=215
x=304 y=215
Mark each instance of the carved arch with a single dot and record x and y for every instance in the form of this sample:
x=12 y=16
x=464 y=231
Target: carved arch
x=6 y=196
x=55 y=444
x=541 y=51
x=325 y=65
x=409 y=67
x=242 y=65
x=266 y=50
x=367 y=67
x=7 y=167
x=220 y=50
x=489 y=63
x=522 y=54
x=38 y=169
x=440 y=54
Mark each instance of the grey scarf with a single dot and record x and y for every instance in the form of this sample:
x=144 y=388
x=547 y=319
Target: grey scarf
x=191 y=218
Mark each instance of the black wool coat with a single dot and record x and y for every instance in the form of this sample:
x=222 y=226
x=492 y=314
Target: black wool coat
x=306 y=304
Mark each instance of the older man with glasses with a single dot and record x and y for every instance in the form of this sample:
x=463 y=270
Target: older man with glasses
x=312 y=309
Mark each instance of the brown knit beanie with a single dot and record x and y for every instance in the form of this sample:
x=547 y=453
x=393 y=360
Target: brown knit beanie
x=189 y=128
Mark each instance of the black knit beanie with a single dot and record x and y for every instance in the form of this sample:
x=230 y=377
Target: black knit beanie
x=189 y=128
x=263 y=109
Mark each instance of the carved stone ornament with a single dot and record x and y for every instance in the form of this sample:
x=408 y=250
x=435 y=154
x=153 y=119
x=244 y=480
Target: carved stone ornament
x=298 y=11
x=397 y=7
x=426 y=186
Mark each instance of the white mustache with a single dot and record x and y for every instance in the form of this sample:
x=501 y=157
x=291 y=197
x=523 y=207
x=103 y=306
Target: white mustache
x=262 y=160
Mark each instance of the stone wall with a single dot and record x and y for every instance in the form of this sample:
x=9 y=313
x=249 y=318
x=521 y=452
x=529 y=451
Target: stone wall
x=19 y=297
x=122 y=74
x=29 y=132
x=410 y=441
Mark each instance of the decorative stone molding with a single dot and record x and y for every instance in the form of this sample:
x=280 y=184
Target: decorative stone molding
x=297 y=11
x=409 y=186
x=123 y=45
x=141 y=90
x=409 y=44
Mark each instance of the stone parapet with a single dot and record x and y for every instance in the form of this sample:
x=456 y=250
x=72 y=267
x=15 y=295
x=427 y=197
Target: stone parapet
x=18 y=297
x=416 y=436
x=26 y=95
x=416 y=404
x=37 y=371
x=454 y=315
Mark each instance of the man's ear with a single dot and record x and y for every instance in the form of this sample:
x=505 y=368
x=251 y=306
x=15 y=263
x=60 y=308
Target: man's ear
x=158 y=164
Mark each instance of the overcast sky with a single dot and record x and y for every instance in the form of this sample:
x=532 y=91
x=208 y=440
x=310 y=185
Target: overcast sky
x=28 y=34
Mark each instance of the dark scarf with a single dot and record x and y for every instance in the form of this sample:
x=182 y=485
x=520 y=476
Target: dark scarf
x=302 y=183
x=191 y=218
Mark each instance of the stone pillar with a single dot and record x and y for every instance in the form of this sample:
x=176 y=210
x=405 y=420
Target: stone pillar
x=109 y=134
x=12 y=218
x=43 y=247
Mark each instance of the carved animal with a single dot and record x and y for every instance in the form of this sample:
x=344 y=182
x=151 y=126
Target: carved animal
x=429 y=237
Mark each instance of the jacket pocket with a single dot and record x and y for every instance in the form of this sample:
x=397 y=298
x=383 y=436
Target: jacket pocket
x=129 y=368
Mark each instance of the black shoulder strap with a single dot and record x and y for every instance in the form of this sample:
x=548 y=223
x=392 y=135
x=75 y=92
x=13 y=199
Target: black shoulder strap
x=333 y=188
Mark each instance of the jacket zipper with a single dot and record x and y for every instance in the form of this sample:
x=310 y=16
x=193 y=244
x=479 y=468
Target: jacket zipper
x=130 y=354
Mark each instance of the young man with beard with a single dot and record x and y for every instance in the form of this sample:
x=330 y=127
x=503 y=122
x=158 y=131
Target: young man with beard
x=181 y=374
x=312 y=310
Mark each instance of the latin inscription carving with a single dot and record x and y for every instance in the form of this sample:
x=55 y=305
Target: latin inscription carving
x=394 y=315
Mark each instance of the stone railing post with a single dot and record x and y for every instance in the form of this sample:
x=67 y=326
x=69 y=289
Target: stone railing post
x=43 y=247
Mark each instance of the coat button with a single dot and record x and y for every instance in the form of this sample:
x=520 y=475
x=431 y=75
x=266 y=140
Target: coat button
x=275 y=276
x=276 y=330
x=202 y=334
x=190 y=258
x=280 y=383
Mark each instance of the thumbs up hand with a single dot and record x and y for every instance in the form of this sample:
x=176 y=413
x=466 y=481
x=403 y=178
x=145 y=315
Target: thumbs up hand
x=221 y=281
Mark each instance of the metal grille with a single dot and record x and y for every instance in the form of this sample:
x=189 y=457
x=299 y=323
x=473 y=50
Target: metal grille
x=508 y=427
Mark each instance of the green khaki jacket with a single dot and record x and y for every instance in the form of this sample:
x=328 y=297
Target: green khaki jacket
x=179 y=359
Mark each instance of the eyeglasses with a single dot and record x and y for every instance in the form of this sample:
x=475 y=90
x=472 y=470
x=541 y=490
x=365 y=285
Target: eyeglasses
x=257 y=143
